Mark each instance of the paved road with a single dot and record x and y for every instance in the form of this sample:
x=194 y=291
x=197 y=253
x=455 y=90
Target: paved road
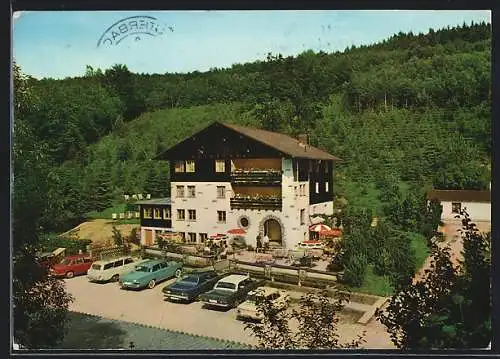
x=148 y=307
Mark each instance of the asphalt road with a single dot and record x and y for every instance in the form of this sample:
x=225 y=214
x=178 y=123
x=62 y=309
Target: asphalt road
x=148 y=307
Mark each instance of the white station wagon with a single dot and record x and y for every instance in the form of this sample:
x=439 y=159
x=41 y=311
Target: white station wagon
x=111 y=269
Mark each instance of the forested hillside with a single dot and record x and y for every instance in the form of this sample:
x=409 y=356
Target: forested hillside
x=408 y=113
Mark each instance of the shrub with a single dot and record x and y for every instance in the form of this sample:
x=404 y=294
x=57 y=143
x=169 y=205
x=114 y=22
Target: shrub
x=355 y=269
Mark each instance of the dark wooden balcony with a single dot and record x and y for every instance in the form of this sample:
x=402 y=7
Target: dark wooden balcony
x=256 y=178
x=258 y=203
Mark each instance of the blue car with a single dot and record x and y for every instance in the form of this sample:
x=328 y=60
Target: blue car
x=149 y=273
x=188 y=287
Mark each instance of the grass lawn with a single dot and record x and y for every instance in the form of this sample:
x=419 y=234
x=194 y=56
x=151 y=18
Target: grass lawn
x=381 y=285
x=363 y=196
x=108 y=213
x=375 y=284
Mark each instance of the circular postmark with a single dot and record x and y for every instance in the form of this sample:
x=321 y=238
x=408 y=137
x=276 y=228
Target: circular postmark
x=136 y=26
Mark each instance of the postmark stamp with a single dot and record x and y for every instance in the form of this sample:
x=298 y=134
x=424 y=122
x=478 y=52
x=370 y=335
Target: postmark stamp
x=136 y=26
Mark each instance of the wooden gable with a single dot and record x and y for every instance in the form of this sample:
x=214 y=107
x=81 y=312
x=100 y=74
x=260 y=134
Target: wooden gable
x=218 y=141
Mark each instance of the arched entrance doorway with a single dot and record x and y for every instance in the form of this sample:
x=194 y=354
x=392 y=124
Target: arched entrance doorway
x=272 y=228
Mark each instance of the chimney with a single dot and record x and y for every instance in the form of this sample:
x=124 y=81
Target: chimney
x=303 y=139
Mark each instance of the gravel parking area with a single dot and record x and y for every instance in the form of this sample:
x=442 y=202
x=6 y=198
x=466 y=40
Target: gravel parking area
x=147 y=307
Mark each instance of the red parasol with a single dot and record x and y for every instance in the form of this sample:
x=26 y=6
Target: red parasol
x=319 y=228
x=237 y=231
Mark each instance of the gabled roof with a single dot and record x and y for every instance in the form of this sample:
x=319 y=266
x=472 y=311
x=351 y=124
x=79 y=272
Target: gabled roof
x=283 y=143
x=158 y=201
x=459 y=195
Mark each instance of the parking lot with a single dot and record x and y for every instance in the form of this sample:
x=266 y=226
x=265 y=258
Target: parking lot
x=148 y=307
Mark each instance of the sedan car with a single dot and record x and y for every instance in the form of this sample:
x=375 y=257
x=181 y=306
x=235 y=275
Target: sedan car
x=149 y=273
x=188 y=287
x=71 y=266
x=248 y=309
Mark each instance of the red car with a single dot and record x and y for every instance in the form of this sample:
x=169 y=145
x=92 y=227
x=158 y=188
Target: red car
x=71 y=266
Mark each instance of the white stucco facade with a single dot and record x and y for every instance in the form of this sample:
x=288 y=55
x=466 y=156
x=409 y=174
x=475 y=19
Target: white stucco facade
x=205 y=203
x=293 y=217
x=478 y=211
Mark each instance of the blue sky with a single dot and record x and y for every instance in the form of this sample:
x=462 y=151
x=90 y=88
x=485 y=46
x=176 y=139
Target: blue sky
x=61 y=43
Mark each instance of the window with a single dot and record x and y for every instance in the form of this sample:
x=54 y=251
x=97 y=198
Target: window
x=244 y=222
x=129 y=260
x=326 y=186
x=221 y=216
x=79 y=261
x=221 y=192
x=302 y=216
x=220 y=166
x=192 y=214
x=163 y=265
x=183 y=236
x=167 y=213
x=456 y=207
x=147 y=213
x=157 y=213
x=156 y=267
x=181 y=214
x=203 y=237
x=317 y=187
x=190 y=166
x=191 y=237
x=108 y=265
x=118 y=263
x=191 y=191
x=179 y=167
x=180 y=191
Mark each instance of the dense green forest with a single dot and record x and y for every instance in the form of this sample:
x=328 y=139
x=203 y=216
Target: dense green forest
x=410 y=112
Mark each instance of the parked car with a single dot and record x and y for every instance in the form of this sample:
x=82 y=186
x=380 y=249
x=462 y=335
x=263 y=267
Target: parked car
x=229 y=291
x=149 y=273
x=248 y=309
x=188 y=287
x=112 y=269
x=71 y=265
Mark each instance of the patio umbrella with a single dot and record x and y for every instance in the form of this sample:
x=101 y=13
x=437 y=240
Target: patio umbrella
x=237 y=231
x=317 y=220
x=319 y=228
x=334 y=232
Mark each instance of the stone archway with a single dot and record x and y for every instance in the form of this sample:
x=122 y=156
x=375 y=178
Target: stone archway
x=273 y=227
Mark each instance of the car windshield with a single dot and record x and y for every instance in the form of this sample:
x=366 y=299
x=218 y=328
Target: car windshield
x=226 y=285
x=96 y=266
x=190 y=279
x=142 y=269
x=66 y=261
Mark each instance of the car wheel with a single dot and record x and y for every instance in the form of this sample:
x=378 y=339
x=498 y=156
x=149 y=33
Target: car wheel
x=151 y=284
x=178 y=273
x=70 y=274
x=115 y=278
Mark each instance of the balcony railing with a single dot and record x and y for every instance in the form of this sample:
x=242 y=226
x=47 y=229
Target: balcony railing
x=249 y=202
x=256 y=177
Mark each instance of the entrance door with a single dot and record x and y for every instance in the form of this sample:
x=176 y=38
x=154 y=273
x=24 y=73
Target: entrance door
x=148 y=234
x=272 y=229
